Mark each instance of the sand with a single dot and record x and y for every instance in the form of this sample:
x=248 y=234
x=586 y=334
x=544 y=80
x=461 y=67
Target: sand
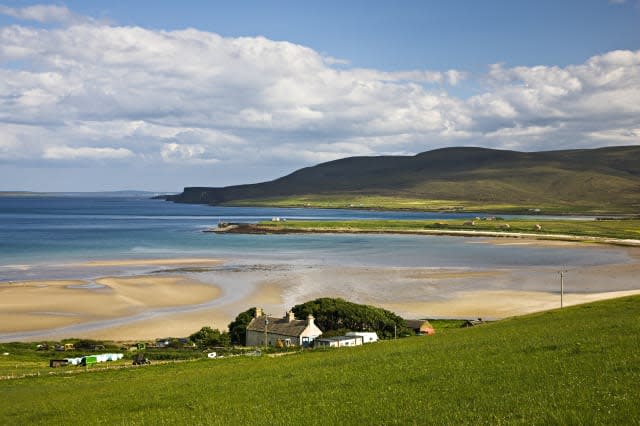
x=151 y=262
x=185 y=323
x=497 y=304
x=179 y=303
x=40 y=305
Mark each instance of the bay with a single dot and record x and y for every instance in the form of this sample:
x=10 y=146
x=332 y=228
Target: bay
x=39 y=234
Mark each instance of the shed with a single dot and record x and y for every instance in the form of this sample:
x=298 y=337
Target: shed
x=421 y=327
x=53 y=363
x=339 y=341
x=472 y=323
x=367 y=336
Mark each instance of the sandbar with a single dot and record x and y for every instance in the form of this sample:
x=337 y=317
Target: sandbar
x=267 y=295
x=41 y=305
x=151 y=262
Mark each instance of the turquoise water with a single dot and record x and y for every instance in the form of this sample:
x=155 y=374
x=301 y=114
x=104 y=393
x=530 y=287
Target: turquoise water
x=39 y=233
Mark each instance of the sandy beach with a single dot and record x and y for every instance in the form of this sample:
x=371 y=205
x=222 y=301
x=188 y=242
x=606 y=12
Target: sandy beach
x=199 y=292
x=41 y=305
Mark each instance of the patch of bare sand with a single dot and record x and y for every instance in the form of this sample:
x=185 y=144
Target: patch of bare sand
x=267 y=294
x=496 y=304
x=38 y=305
x=151 y=262
x=419 y=274
x=538 y=243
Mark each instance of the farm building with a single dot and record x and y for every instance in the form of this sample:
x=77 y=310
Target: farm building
x=472 y=323
x=287 y=331
x=421 y=327
x=367 y=336
x=339 y=342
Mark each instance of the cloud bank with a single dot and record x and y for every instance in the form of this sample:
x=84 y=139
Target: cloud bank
x=84 y=90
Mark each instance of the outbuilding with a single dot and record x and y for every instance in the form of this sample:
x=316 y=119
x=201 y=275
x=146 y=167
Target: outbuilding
x=339 y=342
x=367 y=336
x=422 y=327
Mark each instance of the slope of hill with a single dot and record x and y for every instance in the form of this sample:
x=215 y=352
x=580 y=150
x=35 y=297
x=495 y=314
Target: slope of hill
x=578 y=365
x=596 y=180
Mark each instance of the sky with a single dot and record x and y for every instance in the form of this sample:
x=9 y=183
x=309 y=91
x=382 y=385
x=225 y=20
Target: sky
x=159 y=95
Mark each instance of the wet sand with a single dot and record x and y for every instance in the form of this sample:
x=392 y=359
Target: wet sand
x=179 y=303
x=152 y=262
x=41 y=305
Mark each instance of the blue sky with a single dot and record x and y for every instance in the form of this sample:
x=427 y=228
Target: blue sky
x=114 y=95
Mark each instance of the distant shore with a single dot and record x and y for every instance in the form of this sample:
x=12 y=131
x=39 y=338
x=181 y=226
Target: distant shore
x=354 y=227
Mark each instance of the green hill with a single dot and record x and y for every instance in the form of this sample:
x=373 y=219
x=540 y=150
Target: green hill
x=578 y=365
x=604 y=180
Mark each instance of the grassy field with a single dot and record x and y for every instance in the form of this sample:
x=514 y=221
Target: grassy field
x=579 y=365
x=620 y=228
x=379 y=202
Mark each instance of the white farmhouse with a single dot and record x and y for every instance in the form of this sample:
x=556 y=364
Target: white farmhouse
x=287 y=331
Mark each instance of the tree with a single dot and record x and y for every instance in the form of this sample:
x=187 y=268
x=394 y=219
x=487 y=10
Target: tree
x=238 y=327
x=208 y=337
x=338 y=315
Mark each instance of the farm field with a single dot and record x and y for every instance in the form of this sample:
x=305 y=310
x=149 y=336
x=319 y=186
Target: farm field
x=618 y=228
x=578 y=365
x=408 y=203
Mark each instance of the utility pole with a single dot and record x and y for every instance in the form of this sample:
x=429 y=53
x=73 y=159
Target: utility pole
x=266 y=324
x=562 y=287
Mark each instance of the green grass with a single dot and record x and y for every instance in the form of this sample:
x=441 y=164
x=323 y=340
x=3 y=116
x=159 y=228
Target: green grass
x=379 y=202
x=621 y=228
x=579 y=365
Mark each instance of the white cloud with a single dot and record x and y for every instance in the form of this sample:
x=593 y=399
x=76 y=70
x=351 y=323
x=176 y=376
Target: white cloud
x=43 y=13
x=95 y=91
x=85 y=153
x=186 y=153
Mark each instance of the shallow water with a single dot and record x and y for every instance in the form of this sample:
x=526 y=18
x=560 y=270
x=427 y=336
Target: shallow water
x=43 y=237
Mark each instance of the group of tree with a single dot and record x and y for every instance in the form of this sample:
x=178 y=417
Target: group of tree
x=208 y=337
x=335 y=316
x=238 y=327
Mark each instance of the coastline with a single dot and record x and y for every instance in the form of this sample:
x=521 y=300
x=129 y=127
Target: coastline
x=179 y=296
x=266 y=229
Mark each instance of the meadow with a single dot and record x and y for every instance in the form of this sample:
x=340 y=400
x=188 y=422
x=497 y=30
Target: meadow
x=578 y=365
x=617 y=228
x=408 y=203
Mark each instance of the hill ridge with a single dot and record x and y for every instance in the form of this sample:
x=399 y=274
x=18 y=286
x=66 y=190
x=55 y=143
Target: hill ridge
x=601 y=179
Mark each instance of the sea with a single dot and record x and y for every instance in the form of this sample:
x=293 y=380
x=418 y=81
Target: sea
x=47 y=237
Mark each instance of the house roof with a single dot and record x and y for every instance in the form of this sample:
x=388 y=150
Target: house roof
x=282 y=326
x=339 y=338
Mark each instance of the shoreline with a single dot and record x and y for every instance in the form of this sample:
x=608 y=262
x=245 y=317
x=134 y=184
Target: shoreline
x=178 y=298
x=257 y=229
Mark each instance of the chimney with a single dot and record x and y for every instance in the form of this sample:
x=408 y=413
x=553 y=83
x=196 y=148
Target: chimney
x=258 y=312
x=290 y=316
x=310 y=320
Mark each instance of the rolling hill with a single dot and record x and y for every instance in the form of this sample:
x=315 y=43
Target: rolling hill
x=603 y=180
x=577 y=365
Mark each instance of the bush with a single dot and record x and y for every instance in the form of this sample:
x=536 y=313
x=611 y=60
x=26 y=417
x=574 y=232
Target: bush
x=338 y=315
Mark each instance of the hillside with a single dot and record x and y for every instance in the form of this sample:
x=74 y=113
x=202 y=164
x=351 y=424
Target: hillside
x=604 y=180
x=578 y=365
